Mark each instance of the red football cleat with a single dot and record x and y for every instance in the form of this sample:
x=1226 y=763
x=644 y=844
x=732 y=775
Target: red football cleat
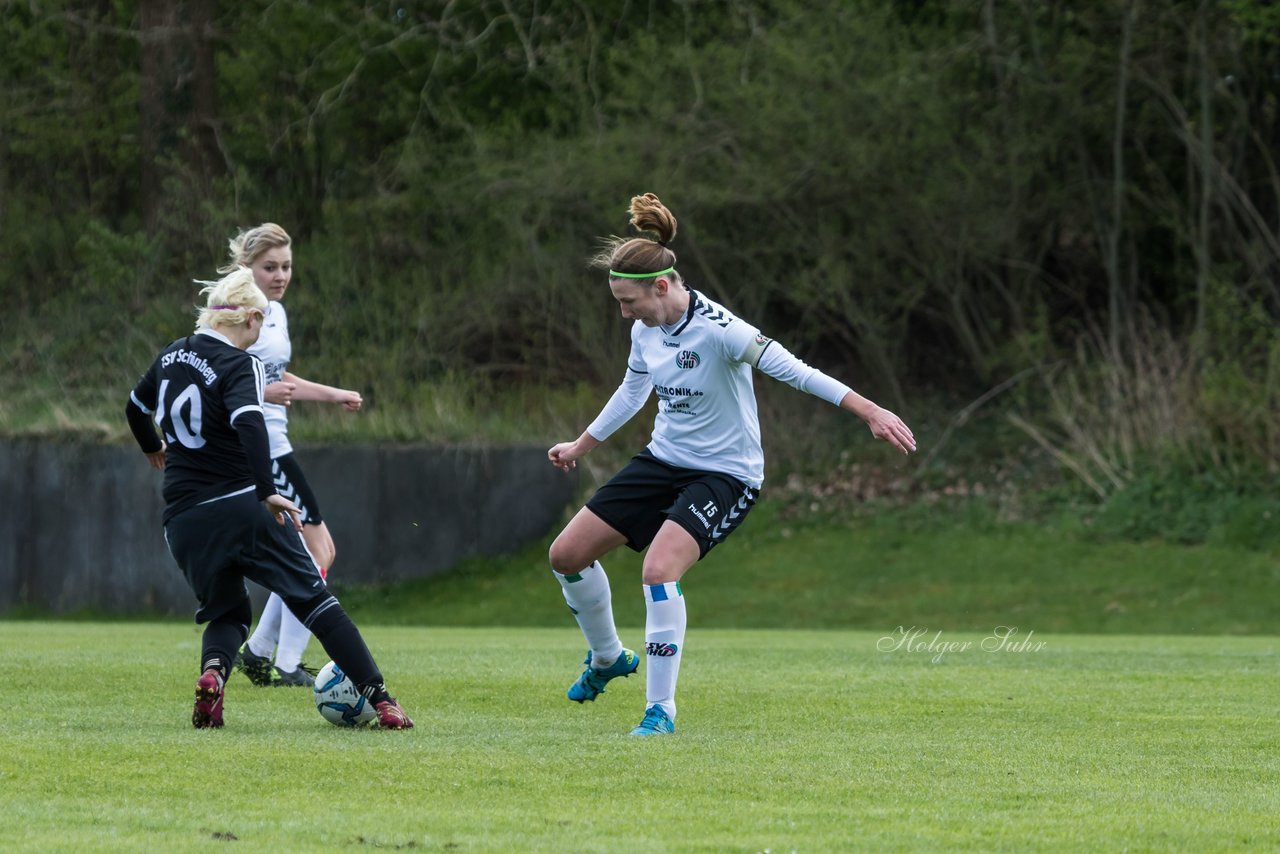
x=208 y=710
x=391 y=716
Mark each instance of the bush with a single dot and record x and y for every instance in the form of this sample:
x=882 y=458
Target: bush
x=1190 y=506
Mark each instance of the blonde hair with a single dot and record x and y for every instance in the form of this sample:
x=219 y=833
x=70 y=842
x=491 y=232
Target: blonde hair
x=641 y=254
x=229 y=301
x=247 y=246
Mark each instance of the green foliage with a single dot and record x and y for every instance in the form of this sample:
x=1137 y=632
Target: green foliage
x=68 y=128
x=930 y=198
x=1232 y=508
x=1240 y=386
x=1259 y=22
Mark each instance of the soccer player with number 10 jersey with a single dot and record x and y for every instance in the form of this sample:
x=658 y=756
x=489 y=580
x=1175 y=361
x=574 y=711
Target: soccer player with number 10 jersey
x=223 y=519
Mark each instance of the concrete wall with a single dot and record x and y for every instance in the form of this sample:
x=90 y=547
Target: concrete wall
x=80 y=523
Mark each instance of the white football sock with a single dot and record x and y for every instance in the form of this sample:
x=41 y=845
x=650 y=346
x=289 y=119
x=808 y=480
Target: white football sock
x=587 y=594
x=664 y=626
x=292 y=637
x=267 y=632
x=293 y=641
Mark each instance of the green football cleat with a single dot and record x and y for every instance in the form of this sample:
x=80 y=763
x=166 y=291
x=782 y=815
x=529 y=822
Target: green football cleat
x=256 y=668
x=302 y=677
x=655 y=722
x=591 y=683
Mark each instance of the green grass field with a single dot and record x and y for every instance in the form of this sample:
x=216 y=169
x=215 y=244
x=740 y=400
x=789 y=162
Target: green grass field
x=787 y=741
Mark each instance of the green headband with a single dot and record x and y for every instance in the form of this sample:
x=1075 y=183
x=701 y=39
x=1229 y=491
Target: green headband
x=616 y=275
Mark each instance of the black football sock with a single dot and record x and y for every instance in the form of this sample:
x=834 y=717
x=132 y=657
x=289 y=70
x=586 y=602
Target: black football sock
x=218 y=648
x=345 y=645
x=375 y=693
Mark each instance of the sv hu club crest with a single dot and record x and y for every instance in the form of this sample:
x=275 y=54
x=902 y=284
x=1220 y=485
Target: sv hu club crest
x=687 y=359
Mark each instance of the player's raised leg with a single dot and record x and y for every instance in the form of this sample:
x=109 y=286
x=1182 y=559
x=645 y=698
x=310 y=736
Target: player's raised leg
x=328 y=621
x=282 y=565
x=586 y=591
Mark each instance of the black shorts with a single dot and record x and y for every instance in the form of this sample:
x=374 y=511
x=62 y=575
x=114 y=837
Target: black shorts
x=222 y=542
x=292 y=484
x=647 y=492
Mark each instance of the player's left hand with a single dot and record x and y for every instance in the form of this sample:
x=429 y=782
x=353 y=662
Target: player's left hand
x=885 y=425
x=284 y=509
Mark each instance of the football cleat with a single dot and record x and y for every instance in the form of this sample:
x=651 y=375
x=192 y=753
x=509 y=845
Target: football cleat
x=208 y=710
x=656 y=722
x=303 y=676
x=591 y=683
x=391 y=716
x=256 y=668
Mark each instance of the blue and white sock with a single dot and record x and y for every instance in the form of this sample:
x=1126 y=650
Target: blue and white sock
x=587 y=594
x=664 y=626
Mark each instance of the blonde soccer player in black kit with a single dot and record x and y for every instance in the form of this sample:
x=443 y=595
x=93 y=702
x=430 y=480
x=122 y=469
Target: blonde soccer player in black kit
x=699 y=476
x=223 y=520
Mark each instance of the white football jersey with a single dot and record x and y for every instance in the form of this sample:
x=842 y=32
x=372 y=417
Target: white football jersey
x=275 y=351
x=700 y=369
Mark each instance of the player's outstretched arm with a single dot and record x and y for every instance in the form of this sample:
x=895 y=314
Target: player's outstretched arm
x=304 y=389
x=883 y=423
x=778 y=362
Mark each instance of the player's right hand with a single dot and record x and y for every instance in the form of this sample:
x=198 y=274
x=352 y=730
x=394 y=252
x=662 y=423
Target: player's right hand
x=279 y=392
x=282 y=508
x=156 y=458
x=563 y=456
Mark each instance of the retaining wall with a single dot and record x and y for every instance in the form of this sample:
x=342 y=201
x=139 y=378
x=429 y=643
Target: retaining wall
x=80 y=522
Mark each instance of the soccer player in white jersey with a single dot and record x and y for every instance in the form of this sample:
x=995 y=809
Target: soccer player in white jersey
x=204 y=394
x=267 y=250
x=701 y=472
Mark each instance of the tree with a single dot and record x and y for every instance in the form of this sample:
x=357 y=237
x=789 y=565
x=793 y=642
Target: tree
x=177 y=101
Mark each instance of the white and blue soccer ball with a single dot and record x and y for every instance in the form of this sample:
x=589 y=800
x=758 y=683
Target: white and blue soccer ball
x=338 y=700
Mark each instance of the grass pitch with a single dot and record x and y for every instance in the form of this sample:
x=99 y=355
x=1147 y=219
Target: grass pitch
x=786 y=741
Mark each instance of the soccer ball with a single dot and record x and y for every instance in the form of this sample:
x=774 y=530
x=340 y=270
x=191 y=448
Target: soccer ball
x=338 y=701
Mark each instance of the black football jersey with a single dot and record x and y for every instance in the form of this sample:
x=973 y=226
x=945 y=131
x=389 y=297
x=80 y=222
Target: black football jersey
x=194 y=391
